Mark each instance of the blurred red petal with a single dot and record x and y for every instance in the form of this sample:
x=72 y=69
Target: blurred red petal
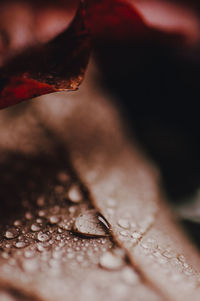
x=55 y=66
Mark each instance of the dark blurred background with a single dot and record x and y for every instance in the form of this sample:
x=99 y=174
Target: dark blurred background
x=155 y=79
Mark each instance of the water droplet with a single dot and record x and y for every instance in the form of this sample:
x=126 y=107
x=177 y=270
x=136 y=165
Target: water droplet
x=41 y=201
x=29 y=253
x=74 y=194
x=11 y=233
x=169 y=254
x=41 y=213
x=62 y=176
x=20 y=244
x=79 y=258
x=181 y=258
x=39 y=220
x=56 y=254
x=111 y=261
x=123 y=223
x=30 y=265
x=72 y=209
x=136 y=235
x=42 y=236
x=41 y=247
x=35 y=228
x=88 y=224
x=53 y=219
x=17 y=223
x=58 y=237
x=28 y=215
x=124 y=233
x=5 y=256
x=70 y=255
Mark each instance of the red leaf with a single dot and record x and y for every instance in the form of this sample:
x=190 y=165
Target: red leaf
x=115 y=19
x=58 y=65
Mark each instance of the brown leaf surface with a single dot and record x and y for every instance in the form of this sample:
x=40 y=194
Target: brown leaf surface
x=78 y=138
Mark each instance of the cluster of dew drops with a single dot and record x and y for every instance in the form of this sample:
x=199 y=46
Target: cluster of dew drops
x=69 y=230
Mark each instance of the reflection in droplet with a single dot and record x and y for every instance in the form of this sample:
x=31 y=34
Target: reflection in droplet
x=111 y=261
x=89 y=224
x=11 y=233
x=103 y=221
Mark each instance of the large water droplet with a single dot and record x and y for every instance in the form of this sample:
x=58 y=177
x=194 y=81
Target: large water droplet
x=90 y=223
x=11 y=233
x=74 y=194
x=111 y=261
